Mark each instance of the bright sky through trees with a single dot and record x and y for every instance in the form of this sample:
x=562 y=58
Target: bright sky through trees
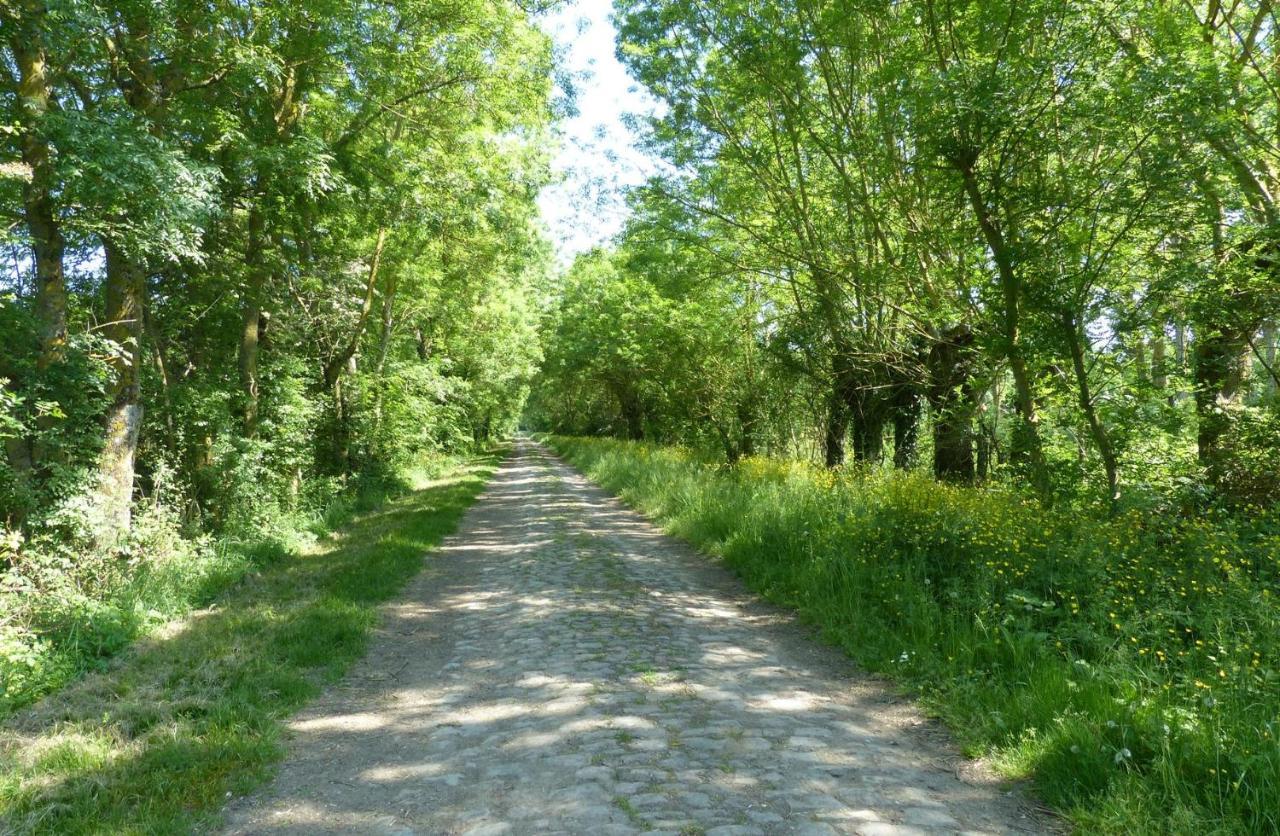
x=598 y=157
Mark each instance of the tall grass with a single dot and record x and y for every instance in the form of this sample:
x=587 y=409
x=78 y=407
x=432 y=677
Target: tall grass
x=155 y=741
x=68 y=606
x=1130 y=667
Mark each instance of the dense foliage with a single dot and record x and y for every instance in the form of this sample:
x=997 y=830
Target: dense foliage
x=1030 y=241
x=261 y=256
x=1129 y=666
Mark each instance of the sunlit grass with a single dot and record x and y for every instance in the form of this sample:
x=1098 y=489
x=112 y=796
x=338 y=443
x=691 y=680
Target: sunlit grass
x=193 y=713
x=1129 y=667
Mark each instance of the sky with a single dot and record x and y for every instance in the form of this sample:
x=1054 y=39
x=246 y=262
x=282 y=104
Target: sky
x=598 y=157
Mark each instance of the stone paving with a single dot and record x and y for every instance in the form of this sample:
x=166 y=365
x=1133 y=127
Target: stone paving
x=563 y=667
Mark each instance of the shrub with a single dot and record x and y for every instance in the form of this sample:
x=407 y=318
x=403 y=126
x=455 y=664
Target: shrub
x=1251 y=474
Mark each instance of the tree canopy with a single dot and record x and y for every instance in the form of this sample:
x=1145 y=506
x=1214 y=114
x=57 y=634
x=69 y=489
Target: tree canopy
x=1009 y=240
x=258 y=247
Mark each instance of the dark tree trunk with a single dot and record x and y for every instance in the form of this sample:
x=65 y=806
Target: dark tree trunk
x=953 y=457
x=423 y=342
x=867 y=427
x=47 y=243
x=634 y=419
x=51 y=287
x=836 y=429
x=630 y=408
x=986 y=444
x=950 y=392
x=906 y=424
x=34 y=96
x=1219 y=378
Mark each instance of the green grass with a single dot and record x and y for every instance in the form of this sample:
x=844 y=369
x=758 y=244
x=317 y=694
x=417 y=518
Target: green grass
x=1128 y=666
x=192 y=712
x=633 y=815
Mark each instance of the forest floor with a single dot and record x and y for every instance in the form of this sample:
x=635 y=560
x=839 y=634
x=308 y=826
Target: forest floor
x=562 y=666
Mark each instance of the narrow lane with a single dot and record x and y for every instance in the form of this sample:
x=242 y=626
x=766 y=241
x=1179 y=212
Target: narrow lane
x=563 y=667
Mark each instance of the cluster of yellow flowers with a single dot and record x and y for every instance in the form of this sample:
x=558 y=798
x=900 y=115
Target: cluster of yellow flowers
x=1181 y=601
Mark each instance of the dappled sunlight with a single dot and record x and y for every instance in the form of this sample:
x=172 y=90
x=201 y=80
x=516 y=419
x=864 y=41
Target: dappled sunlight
x=565 y=666
x=191 y=708
x=346 y=723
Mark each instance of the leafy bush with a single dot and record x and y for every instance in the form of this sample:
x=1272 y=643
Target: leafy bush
x=1251 y=473
x=1129 y=665
x=67 y=607
x=54 y=411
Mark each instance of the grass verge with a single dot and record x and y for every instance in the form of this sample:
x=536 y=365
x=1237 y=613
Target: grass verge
x=1130 y=667
x=192 y=713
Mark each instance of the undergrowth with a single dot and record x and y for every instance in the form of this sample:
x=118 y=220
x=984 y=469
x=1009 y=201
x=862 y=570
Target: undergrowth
x=1130 y=667
x=67 y=606
x=154 y=739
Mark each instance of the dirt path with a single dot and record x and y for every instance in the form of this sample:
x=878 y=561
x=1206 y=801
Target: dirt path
x=561 y=666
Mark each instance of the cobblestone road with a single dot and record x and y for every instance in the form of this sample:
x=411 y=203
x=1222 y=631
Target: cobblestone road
x=562 y=667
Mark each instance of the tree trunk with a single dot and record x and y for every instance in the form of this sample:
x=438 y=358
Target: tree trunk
x=124 y=290
x=1159 y=361
x=1101 y=438
x=986 y=446
x=867 y=420
x=632 y=415
x=32 y=103
x=251 y=322
x=341 y=443
x=953 y=449
x=837 y=427
x=906 y=426
x=333 y=369
x=1217 y=359
x=898 y=403
x=1026 y=448
x=47 y=243
x=950 y=393
x=422 y=343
